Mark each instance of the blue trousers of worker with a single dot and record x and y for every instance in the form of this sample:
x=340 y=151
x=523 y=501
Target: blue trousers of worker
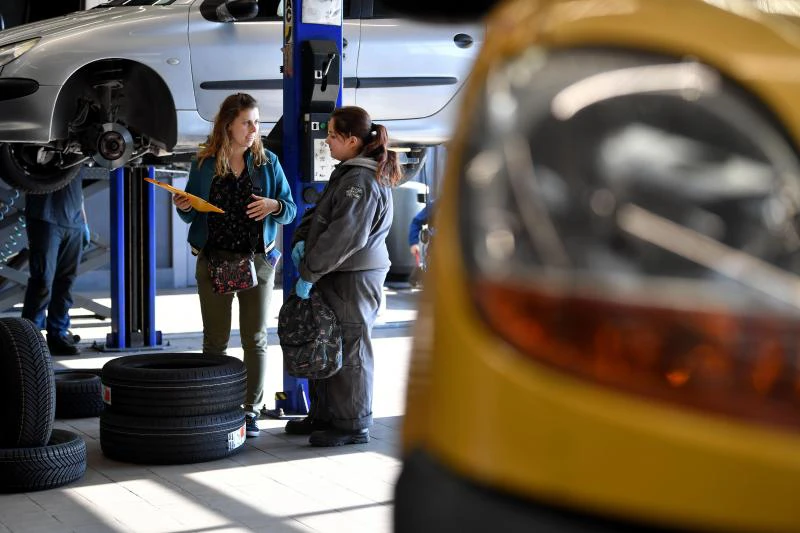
x=55 y=253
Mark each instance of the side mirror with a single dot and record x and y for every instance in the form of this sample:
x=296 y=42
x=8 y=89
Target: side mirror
x=233 y=10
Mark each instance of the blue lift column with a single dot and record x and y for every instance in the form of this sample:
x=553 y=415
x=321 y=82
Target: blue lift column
x=312 y=88
x=133 y=261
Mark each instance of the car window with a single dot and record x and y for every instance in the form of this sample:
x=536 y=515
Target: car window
x=273 y=10
x=381 y=11
x=127 y=3
x=268 y=10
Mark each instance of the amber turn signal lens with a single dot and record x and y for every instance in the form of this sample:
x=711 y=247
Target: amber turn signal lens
x=716 y=360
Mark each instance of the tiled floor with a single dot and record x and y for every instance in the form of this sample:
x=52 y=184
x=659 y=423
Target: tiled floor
x=277 y=483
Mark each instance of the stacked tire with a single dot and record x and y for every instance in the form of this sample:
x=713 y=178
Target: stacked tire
x=78 y=394
x=172 y=408
x=33 y=455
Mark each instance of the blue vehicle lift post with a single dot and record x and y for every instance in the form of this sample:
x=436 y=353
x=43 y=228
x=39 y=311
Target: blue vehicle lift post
x=312 y=88
x=133 y=261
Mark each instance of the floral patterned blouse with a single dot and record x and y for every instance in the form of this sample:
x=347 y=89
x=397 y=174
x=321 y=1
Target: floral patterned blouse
x=233 y=231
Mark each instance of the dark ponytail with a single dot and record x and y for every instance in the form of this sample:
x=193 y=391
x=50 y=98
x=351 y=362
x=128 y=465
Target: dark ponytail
x=355 y=121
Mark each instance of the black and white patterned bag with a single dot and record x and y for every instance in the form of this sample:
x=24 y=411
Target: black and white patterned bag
x=310 y=337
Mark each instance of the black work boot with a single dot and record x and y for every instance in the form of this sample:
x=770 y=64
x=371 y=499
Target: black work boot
x=62 y=345
x=306 y=426
x=339 y=437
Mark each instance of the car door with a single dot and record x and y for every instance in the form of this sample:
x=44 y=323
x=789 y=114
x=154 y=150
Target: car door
x=245 y=56
x=411 y=69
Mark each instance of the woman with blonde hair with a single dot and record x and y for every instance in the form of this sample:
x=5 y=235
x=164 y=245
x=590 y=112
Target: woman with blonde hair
x=237 y=174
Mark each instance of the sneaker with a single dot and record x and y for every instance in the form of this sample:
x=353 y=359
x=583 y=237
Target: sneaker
x=251 y=426
x=338 y=437
x=306 y=426
x=59 y=345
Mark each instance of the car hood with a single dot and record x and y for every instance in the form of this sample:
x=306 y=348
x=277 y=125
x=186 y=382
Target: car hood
x=69 y=23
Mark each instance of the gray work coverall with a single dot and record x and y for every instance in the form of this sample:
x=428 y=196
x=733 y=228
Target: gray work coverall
x=347 y=260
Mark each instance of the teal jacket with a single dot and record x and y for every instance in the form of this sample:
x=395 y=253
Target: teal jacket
x=273 y=185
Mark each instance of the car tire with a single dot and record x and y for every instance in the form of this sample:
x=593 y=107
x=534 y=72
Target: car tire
x=61 y=461
x=27 y=385
x=19 y=168
x=78 y=394
x=171 y=440
x=174 y=384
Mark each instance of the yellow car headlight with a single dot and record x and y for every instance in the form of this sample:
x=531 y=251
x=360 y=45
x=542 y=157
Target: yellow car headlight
x=10 y=52
x=632 y=219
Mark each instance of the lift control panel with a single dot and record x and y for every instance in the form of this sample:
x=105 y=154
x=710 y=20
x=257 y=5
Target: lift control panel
x=321 y=65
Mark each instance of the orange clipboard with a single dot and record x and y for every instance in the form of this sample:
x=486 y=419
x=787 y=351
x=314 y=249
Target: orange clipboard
x=198 y=203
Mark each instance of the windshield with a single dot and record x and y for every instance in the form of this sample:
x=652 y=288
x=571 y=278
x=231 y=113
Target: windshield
x=115 y=3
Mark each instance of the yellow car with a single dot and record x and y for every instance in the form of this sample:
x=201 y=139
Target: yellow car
x=610 y=332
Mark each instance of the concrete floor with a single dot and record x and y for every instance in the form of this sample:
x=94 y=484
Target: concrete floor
x=278 y=483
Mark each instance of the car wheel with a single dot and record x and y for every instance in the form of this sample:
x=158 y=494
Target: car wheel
x=182 y=384
x=171 y=440
x=34 y=169
x=78 y=394
x=61 y=461
x=27 y=385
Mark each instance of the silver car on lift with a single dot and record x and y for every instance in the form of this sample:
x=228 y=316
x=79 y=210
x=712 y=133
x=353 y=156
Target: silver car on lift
x=134 y=78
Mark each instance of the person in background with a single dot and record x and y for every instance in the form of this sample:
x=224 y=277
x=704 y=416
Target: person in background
x=420 y=220
x=222 y=175
x=340 y=250
x=57 y=232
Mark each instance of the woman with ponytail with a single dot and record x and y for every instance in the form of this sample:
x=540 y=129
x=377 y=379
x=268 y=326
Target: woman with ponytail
x=340 y=250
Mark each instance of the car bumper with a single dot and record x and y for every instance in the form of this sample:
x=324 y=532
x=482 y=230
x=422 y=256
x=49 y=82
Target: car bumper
x=431 y=497
x=26 y=110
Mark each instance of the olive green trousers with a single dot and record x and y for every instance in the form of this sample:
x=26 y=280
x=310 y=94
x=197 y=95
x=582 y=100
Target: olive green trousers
x=253 y=312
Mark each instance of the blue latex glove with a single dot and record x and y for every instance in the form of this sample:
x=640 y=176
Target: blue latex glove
x=86 y=238
x=302 y=288
x=298 y=252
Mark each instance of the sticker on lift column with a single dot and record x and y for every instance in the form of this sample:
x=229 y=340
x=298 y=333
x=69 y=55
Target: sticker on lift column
x=288 y=38
x=106 y=394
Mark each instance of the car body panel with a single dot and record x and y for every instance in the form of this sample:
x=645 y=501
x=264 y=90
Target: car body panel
x=147 y=40
x=219 y=68
x=29 y=117
x=421 y=87
x=162 y=47
x=201 y=61
x=533 y=432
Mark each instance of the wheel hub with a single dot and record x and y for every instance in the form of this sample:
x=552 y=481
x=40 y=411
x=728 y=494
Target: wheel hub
x=114 y=146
